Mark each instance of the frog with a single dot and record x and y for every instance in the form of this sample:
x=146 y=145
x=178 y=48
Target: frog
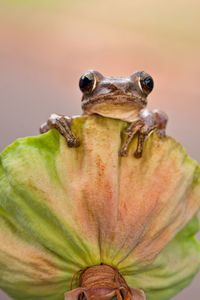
x=122 y=98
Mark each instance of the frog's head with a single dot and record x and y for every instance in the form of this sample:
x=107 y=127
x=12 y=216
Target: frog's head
x=100 y=94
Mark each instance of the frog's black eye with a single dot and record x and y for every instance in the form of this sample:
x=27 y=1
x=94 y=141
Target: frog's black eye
x=87 y=82
x=147 y=84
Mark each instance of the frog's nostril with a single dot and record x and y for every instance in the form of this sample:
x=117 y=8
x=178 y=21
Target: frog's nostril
x=119 y=89
x=113 y=87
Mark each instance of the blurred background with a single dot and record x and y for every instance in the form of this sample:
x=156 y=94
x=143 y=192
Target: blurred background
x=45 y=46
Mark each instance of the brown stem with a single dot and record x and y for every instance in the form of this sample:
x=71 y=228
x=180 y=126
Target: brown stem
x=103 y=282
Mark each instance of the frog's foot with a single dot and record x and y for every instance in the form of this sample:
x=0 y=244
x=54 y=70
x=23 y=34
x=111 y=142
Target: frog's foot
x=130 y=132
x=141 y=138
x=63 y=125
x=143 y=130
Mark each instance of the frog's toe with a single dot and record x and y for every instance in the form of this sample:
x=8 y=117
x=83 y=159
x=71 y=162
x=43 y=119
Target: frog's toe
x=73 y=142
x=123 y=152
x=44 y=128
x=138 y=154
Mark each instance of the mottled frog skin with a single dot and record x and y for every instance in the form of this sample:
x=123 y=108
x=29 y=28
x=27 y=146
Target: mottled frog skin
x=123 y=98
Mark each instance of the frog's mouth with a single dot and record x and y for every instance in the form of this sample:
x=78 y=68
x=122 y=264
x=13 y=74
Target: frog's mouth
x=115 y=99
x=121 y=107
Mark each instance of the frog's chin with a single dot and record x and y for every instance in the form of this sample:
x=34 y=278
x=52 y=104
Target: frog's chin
x=126 y=113
x=124 y=109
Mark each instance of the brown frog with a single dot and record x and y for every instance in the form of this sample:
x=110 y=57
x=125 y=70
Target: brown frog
x=119 y=98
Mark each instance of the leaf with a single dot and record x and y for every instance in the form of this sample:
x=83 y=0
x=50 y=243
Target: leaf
x=63 y=209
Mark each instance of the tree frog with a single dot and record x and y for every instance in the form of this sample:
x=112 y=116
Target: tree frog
x=123 y=98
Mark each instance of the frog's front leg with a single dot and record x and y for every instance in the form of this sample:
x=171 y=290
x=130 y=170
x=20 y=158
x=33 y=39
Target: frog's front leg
x=144 y=126
x=63 y=125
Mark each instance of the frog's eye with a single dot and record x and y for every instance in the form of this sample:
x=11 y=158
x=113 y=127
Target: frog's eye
x=146 y=84
x=87 y=82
